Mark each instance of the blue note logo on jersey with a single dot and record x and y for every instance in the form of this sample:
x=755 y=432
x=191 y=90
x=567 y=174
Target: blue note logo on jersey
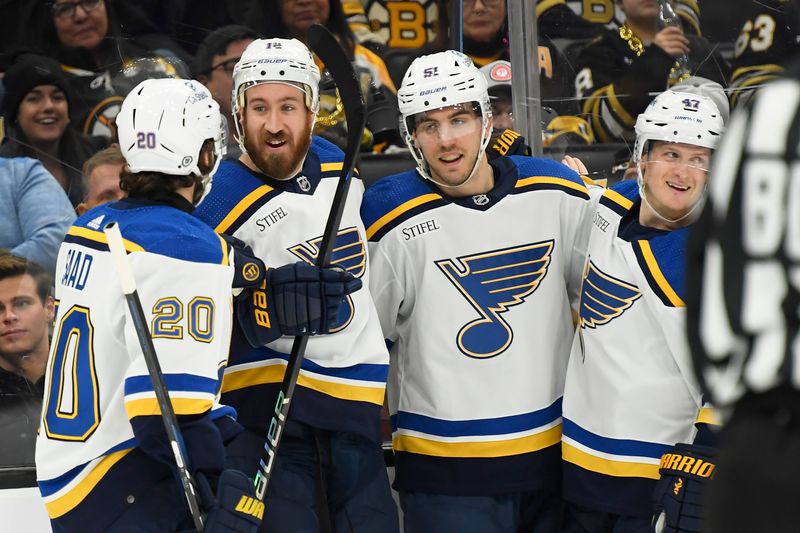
x=348 y=253
x=492 y=282
x=604 y=297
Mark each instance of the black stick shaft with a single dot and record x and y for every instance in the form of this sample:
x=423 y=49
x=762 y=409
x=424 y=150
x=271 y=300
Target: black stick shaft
x=337 y=63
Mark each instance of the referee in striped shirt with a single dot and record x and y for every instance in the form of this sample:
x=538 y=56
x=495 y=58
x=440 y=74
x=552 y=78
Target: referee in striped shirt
x=744 y=312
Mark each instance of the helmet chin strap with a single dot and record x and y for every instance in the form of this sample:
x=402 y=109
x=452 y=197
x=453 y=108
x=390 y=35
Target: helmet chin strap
x=699 y=203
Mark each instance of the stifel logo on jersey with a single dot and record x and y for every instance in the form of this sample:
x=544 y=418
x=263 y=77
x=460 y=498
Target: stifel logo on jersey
x=604 y=297
x=349 y=253
x=492 y=282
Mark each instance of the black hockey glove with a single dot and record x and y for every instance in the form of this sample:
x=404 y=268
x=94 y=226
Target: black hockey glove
x=678 y=499
x=235 y=507
x=295 y=299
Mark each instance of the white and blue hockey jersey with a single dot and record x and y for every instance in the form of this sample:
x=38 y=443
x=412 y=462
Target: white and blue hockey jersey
x=101 y=439
x=630 y=392
x=342 y=380
x=475 y=293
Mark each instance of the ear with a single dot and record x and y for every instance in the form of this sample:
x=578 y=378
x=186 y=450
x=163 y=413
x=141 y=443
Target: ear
x=50 y=308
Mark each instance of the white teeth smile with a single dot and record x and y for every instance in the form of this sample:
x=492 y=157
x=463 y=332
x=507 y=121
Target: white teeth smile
x=276 y=144
x=47 y=121
x=678 y=187
x=450 y=159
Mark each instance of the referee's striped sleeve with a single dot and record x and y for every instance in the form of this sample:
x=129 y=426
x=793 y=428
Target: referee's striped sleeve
x=743 y=302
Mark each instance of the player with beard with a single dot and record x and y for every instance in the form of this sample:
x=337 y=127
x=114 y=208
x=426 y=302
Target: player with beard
x=276 y=199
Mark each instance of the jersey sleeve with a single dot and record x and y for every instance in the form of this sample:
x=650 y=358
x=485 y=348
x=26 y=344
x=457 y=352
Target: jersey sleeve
x=188 y=311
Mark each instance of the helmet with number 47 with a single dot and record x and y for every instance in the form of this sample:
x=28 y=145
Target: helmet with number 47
x=681 y=118
x=164 y=123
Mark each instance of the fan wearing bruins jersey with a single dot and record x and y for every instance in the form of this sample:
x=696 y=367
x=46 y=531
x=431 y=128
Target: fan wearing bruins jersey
x=276 y=198
x=618 y=72
x=630 y=392
x=474 y=268
x=102 y=457
x=610 y=13
x=768 y=38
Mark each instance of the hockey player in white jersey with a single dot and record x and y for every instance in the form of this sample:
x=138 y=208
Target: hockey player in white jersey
x=276 y=198
x=475 y=265
x=102 y=456
x=630 y=393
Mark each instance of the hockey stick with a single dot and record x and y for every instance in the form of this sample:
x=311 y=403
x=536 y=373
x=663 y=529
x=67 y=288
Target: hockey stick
x=120 y=258
x=325 y=45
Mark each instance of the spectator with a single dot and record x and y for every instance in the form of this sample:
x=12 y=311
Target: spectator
x=213 y=67
x=498 y=76
x=197 y=18
x=568 y=129
x=86 y=38
x=291 y=19
x=767 y=40
x=618 y=71
x=485 y=30
x=35 y=212
x=101 y=174
x=36 y=110
x=26 y=310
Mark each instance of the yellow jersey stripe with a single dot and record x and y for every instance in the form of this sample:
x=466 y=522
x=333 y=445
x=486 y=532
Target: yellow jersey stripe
x=399 y=210
x=608 y=467
x=708 y=415
x=498 y=448
x=544 y=5
x=241 y=207
x=181 y=406
x=767 y=67
x=264 y=375
x=618 y=199
x=225 y=258
x=326 y=167
x=75 y=496
x=655 y=270
x=537 y=180
x=99 y=236
x=627 y=119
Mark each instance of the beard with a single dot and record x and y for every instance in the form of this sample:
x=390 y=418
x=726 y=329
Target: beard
x=278 y=166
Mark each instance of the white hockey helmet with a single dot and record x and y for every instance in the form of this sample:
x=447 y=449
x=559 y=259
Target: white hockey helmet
x=441 y=80
x=678 y=117
x=709 y=88
x=276 y=60
x=163 y=124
